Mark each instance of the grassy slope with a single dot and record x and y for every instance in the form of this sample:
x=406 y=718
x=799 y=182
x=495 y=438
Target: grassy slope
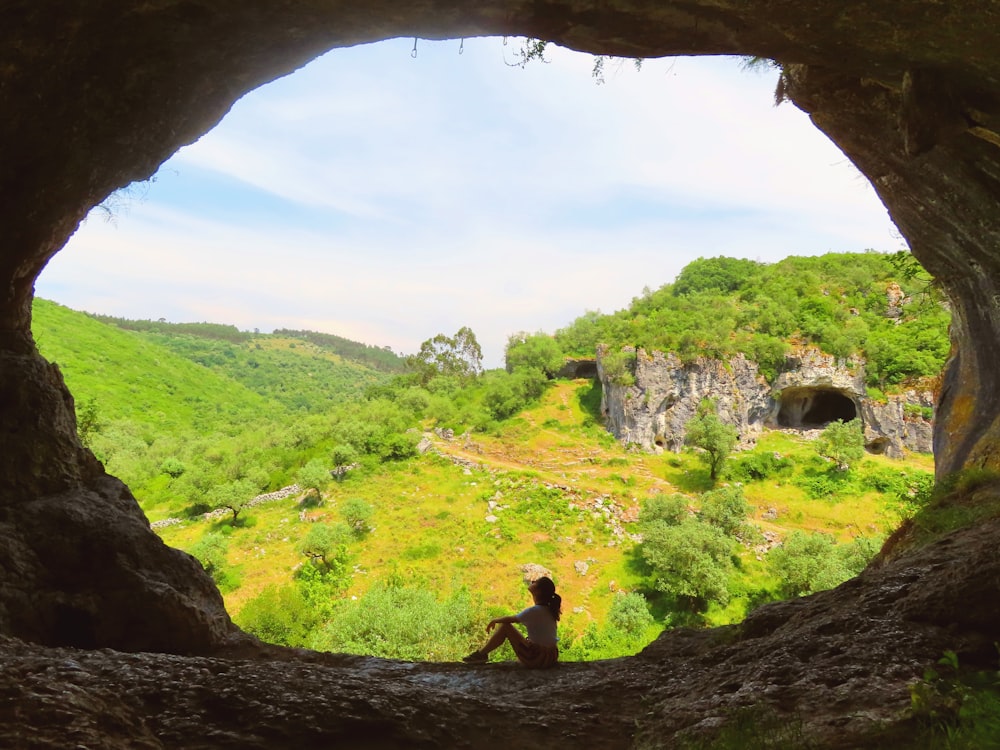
x=133 y=378
x=430 y=513
x=431 y=528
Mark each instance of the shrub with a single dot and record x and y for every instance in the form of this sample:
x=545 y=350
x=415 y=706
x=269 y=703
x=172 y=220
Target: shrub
x=691 y=561
x=211 y=552
x=842 y=442
x=279 y=615
x=403 y=622
x=173 y=467
x=619 y=367
x=715 y=438
x=668 y=509
x=630 y=613
x=806 y=563
x=728 y=510
x=759 y=465
x=326 y=546
x=357 y=515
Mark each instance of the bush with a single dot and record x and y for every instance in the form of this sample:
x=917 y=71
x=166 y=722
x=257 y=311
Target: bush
x=402 y=622
x=326 y=546
x=279 y=615
x=806 y=563
x=728 y=510
x=715 y=438
x=619 y=367
x=211 y=551
x=842 y=442
x=691 y=561
x=630 y=614
x=759 y=465
x=828 y=485
x=173 y=467
x=357 y=515
x=668 y=509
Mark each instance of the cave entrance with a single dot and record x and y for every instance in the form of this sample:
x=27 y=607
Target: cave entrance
x=809 y=408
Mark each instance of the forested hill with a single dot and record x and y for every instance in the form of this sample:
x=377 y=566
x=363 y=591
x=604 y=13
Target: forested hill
x=152 y=401
x=301 y=370
x=374 y=357
x=882 y=307
x=129 y=377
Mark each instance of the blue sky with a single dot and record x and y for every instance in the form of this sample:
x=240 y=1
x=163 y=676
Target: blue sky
x=388 y=198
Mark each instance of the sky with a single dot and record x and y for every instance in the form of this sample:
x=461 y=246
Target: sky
x=387 y=198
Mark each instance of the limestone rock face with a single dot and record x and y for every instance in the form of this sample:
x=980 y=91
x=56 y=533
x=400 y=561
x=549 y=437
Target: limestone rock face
x=79 y=564
x=651 y=408
x=652 y=411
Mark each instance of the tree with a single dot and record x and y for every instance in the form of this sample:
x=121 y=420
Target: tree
x=88 y=420
x=326 y=545
x=459 y=355
x=706 y=431
x=344 y=457
x=173 y=467
x=806 y=563
x=357 y=514
x=279 y=615
x=691 y=561
x=842 y=442
x=233 y=496
x=314 y=478
x=535 y=351
x=728 y=510
x=670 y=509
x=715 y=274
x=630 y=614
x=504 y=395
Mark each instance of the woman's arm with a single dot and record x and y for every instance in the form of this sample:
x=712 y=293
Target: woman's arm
x=497 y=620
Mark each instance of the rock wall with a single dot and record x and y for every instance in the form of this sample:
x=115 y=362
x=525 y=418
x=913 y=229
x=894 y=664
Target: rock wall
x=651 y=407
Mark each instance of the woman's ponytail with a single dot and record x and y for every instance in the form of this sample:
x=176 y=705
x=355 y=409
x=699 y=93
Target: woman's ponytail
x=555 y=606
x=549 y=598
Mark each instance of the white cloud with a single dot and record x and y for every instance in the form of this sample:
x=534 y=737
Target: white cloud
x=388 y=199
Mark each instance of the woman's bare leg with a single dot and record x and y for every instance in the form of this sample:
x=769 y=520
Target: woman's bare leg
x=502 y=632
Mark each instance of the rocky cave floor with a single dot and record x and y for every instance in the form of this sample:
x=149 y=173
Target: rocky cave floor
x=836 y=666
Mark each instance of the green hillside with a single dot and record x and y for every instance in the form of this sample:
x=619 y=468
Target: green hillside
x=882 y=307
x=449 y=531
x=177 y=414
x=290 y=371
x=131 y=377
x=388 y=550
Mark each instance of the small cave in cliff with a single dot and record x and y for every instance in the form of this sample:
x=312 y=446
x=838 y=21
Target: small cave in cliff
x=579 y=368
x=878 y=446
x=810 y=408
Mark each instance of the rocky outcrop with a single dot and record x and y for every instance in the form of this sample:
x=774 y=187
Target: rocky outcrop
x=650 y=407
x=833 y=670
x=79 y=564
x=98 y=95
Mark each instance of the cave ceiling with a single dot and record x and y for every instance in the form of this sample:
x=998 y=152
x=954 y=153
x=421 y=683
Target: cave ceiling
x=97 y=95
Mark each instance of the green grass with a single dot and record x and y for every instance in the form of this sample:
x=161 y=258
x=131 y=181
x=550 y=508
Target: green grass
x=171 y=428
x=430 y=524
